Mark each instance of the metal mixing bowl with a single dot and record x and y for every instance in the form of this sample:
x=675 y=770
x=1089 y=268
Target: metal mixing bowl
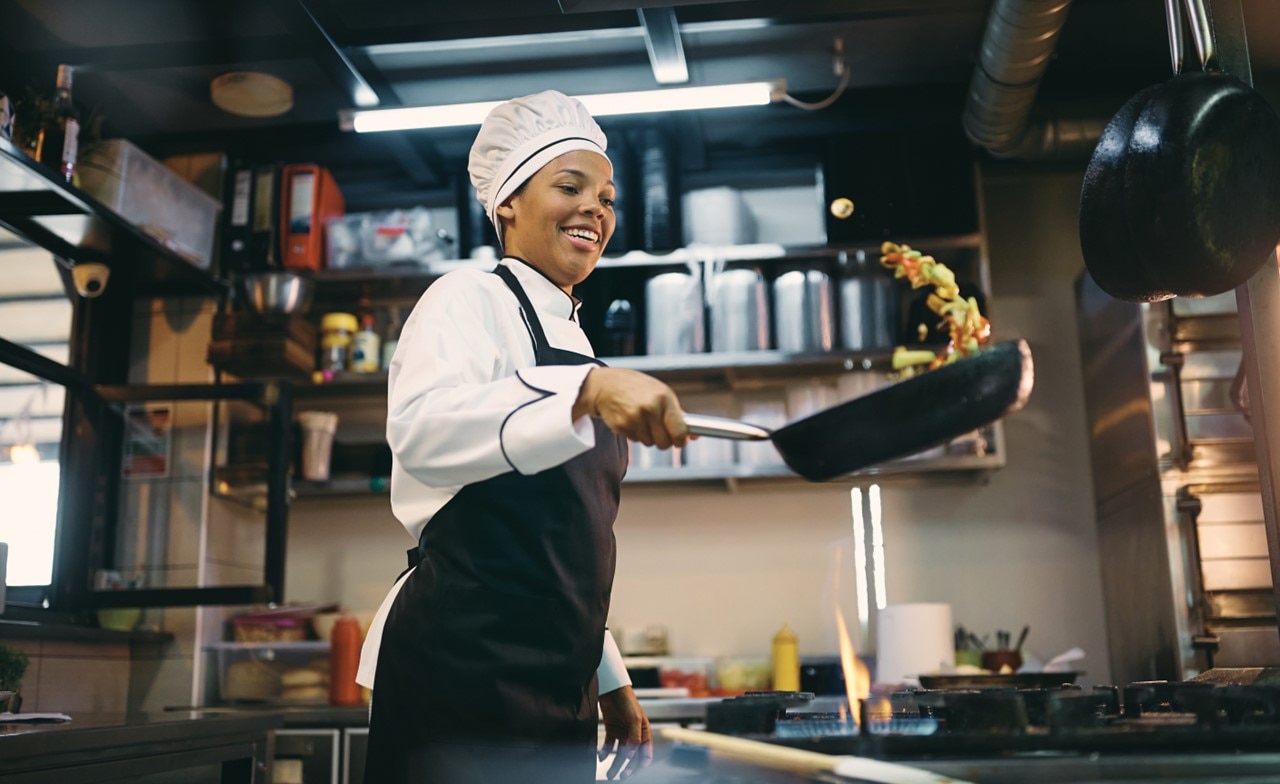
x=278 y=292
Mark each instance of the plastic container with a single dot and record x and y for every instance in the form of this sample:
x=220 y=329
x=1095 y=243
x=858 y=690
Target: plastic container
x=337 y=330
x=692 y=673
x=250 y=628
x=274 y=673
x=737 y=675
x=718 y=216
x=147 y=194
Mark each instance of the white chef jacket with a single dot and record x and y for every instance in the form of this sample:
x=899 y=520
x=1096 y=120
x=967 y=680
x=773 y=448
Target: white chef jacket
x=466 y=402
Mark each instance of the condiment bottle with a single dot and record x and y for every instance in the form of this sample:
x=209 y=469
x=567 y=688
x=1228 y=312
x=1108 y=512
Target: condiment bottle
x=344 y=659
x=365 y=353
x=786 y=660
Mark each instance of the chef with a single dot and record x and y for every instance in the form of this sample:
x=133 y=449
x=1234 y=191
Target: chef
x=489 y=657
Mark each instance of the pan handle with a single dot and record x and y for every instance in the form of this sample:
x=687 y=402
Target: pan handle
x=1202 y=34
x=722 y=427
x=1173 y=17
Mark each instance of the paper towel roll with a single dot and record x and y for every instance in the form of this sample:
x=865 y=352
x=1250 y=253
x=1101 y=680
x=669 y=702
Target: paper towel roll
x=912 y=639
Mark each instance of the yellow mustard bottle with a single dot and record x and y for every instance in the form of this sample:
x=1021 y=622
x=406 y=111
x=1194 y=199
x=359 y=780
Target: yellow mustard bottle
x=786 y=660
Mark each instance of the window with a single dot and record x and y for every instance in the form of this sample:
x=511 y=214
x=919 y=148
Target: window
x=36 y=313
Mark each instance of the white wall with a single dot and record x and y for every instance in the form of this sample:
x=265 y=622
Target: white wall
x=723 y=571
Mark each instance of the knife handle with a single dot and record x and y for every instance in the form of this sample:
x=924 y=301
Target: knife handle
x=723 y=427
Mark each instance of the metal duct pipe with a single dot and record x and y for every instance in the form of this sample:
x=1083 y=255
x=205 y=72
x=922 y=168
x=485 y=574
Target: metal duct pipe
x=1016 y=49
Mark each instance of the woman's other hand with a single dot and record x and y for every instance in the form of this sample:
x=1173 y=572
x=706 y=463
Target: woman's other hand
x=633 y=405
x=626 y=730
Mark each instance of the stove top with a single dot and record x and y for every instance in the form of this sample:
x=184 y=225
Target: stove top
x=1146 y=731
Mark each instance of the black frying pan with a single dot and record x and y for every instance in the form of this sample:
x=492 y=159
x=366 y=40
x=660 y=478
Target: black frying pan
x=1182 y=194
x=897 y=420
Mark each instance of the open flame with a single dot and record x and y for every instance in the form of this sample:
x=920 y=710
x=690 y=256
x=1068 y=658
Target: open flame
x=857 y=679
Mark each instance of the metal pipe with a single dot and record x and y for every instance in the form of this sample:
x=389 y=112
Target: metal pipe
x=1016 y=48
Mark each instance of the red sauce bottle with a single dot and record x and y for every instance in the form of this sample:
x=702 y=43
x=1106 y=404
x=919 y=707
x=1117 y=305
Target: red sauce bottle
x=344 y=658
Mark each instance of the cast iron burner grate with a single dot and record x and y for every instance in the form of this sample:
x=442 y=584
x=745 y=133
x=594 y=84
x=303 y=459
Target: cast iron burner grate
x=1144 y=717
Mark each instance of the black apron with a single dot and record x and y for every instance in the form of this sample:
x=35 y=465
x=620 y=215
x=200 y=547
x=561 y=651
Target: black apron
x=486 y=669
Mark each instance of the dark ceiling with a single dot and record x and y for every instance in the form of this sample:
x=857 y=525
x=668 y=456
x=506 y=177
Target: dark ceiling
x=145 y=67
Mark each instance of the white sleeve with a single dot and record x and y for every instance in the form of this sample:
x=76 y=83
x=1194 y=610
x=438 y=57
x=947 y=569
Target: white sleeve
x=612 y=673
x=449 y=423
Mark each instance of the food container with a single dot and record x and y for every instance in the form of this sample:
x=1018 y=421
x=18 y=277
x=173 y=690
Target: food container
x=868 y=312
x=284 y=673
x=147 y=194
x=738 y=302
x=804 y=311
x=290 y=623
x=253 y=628
x=337 y=330
x=693 y=673
x=718 y=216
x=738 y=675
x=673 y=314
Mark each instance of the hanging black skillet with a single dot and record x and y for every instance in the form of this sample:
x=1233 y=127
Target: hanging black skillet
x=1182 y=194
x=897 y=420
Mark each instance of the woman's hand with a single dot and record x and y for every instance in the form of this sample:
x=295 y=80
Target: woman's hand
x=626 y=728
x=633 y=405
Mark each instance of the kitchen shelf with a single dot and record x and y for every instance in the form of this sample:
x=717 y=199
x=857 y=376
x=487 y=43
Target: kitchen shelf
x=70 y=224
x=296 y=646
x=714 y=369
x=407 y=280
x=960 y=467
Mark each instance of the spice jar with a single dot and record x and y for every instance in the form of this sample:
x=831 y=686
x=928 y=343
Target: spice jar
x=336 y=333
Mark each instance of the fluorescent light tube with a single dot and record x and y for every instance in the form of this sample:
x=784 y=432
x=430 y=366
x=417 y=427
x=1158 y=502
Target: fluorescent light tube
x=601 y=104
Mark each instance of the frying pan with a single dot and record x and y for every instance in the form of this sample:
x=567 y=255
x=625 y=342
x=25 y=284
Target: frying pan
x=894 y=421
x=1182 y=193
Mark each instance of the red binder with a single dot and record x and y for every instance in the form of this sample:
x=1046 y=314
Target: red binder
x=310 y=199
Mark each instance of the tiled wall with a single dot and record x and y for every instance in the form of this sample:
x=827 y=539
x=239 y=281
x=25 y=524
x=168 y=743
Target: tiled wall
x=171 y=526
x=74 y=677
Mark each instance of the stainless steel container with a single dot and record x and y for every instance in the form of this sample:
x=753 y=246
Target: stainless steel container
x=804 y=311
x=869 y=312
x=673 y=314
x=739 y=304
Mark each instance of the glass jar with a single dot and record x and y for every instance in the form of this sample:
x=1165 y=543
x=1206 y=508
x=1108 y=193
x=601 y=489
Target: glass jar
x=336 y=333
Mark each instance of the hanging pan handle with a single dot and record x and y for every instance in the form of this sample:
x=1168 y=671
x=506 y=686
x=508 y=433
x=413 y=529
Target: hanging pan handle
x=1173 y=18
x=1202 y=34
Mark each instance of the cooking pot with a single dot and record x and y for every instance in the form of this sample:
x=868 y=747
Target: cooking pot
x=738 y=301
x=804 y=311
x=673 y=314
x=1182 y=193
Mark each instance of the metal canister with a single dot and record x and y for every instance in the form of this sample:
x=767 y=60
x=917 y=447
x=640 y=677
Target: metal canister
x=673 y=314
x=868 y=309
x=804 y=311
x=738 y=301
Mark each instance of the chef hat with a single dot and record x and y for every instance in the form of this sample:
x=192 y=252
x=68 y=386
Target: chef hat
x=521 y=136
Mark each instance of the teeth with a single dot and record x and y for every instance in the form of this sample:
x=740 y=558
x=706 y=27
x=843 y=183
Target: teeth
x=585 y=234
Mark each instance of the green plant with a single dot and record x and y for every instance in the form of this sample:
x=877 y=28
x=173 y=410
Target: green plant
x=12 y=666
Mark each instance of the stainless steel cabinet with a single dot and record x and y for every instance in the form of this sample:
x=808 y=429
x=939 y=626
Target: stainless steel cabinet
x=307 y=756
x=355 y=742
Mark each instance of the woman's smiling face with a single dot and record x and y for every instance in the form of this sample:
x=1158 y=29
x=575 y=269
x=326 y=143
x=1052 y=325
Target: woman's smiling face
x=561 y=219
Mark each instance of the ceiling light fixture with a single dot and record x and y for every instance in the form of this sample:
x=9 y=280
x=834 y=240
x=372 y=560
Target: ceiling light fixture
x=720 y=96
